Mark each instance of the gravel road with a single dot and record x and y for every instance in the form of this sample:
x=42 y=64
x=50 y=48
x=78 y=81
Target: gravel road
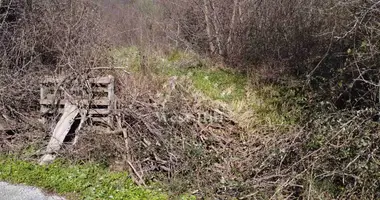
x=20 y=192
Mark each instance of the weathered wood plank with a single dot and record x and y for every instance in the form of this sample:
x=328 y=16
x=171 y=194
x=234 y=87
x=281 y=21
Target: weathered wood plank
x=100 y=119
x=100 y=80
x=111 y=98
x=79 y=98
x=60 y=132
x=99 y=89
x=104 y=111
x=95 y=89
x=96 y=102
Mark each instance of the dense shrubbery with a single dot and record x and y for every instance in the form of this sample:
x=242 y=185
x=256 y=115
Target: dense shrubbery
x=300 y=128
x=328 y=45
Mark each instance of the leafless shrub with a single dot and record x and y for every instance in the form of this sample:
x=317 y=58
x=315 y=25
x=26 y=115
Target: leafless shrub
x=45 y=38
x=362 y=65
x=242 y=32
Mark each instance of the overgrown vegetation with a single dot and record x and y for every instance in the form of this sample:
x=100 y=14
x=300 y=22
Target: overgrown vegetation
x=221 y=99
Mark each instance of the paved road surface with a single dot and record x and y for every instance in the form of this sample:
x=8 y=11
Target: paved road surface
x=20 y=192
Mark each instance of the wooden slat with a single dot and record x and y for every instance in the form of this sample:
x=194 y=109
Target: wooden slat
x=100 y=119
x=61 y=97
x=99 y=89
x=51 y=90
x=100 y=80
x=97 y=102
x=99 y=112
x=90 y=112
x=52 y=97
x=52 y=80
x=42 y=92
x=111 y=98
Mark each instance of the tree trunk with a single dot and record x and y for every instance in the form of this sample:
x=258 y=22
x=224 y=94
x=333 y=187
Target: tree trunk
x=217 y=29
x=208 y=26
x=232 y=24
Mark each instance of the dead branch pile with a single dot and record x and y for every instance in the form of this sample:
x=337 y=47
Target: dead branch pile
x=183 y=139
x=167 y=130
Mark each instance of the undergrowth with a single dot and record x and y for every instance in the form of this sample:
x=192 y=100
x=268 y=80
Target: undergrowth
x=193 y=126
x=251 y=105
x=278 y=153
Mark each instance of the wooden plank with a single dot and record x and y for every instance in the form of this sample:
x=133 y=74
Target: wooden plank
x=43 y=96
x=99 y=119
x=94 y=89
x=52 y=80
x=111 y=90
x=98 y=112
x=96 y=102
x=100 y=80
x=111 y=98
x=79 y=98
x=90 y=112
x=99 y=89
x=60 y=132
x=42 y=92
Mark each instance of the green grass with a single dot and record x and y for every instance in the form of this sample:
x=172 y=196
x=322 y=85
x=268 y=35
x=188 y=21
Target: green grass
x=218 y=84
x=282 y=105
x=87 y=181
x=128 y=58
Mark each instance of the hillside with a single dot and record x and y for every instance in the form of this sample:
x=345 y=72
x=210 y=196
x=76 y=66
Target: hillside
x=202 y=99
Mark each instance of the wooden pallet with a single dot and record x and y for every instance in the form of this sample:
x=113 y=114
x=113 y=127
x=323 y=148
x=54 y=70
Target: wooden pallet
x=99 y=108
